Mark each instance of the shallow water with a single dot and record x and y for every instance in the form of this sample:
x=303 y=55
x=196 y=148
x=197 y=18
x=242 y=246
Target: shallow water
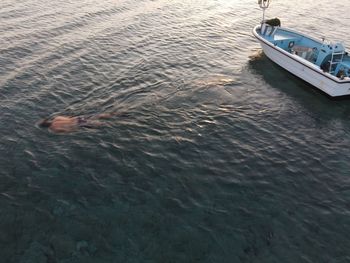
x=217 y=154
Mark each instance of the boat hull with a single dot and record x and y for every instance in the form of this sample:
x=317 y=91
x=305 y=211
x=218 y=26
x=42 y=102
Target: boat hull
x=305 y=70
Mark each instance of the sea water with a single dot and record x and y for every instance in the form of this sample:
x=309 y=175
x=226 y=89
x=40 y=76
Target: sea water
x=215 y=154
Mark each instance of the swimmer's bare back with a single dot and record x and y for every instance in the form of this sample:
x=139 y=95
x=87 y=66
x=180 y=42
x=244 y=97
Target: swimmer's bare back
x=60 y=124
x=68 y=124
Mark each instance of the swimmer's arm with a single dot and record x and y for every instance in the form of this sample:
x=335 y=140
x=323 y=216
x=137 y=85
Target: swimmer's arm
x=62 y=130
x=64 y=118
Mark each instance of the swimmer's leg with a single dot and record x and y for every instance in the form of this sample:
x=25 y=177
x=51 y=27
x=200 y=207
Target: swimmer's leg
x=105 y=116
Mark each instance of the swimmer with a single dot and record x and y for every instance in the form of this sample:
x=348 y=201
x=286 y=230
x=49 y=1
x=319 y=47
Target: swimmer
x=66 y=124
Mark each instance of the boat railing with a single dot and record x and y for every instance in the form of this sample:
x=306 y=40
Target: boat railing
x=267 y=30
x=337 y=56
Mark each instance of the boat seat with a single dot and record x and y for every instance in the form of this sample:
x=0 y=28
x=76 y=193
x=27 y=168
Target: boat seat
x=278 y=36
x=304 y=52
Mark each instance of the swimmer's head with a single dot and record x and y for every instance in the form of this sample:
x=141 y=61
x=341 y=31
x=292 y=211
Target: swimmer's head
x=46 y=123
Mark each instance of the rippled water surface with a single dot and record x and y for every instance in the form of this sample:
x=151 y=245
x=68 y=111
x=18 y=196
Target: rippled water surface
x=215 y=154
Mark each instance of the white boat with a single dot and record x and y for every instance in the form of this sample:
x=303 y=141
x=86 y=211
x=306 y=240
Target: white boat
x=324 y=65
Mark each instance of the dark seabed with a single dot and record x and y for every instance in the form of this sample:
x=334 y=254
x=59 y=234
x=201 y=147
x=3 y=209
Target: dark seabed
x=218 y=155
